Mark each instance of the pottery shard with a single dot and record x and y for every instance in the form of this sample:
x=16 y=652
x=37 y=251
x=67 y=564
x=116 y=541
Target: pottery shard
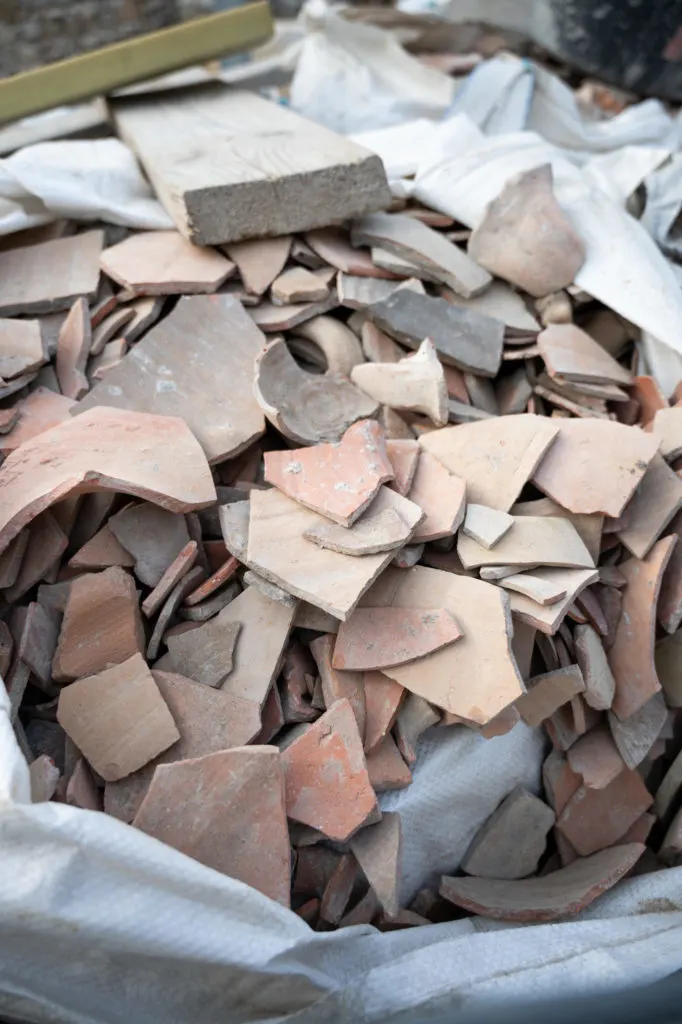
x=548 y=692
x=306 y=407
x=414 y=717
x=477 y=676
x=596 y=818
x=461 y=338
x=152 y=457
x=36 y=646
x=259 y=261
x=378 y=850
x=373 y=533
x=21 y=347
x=227 y=811
x=205 y=654
x=326 y=780
x=46 y=543
x=101 y=625
x=48 y=277
x=383 y=697
x=164 y=263
x=559 y=780
x=336 y=344
x=153 y=536
x=486 y=525
x=39 y=411
x=101 y=552
x=179 y=567
x=600 y=686
x=386 y=768
x=441 y=494
x=117 y=718
x=667 y=431
x=563 y=892
x=496 y=457
x=415 y=384
x=526 y=238
x=403 y=455
x=657 y=499
x=337 y=684
x=513 y=839
x=265 y=627
x=636 y=735
x=376 y=638
x=73 y=349
x=338 y=890
x=573 y=355
x=595 y=758
x=548 y=618
x=298 y=285
x=595 y=465
x=632 y=655
x=208 y=721
x=531 y=541
x=543 y=592
x=337 y=480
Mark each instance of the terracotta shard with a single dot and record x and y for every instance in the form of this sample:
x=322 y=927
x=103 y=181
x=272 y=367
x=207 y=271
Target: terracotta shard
x=205 y=654
x=557 y=895
x=463 y=339
x=403 y=456
x=73 y=349
x=307 y=408
x=46 y=543
x=153 y=536
x=632 y=655
x=215 y=399
x=414 y=717
x=82 y=790
x=414 y=384
x=48 y=277
x=101 y=625
x=531 y=541
x=164 y=263
x=548 y=692
x=36 y=645
x=513 y=839
x=259 y=261
x=337 y=480
x=179 y=567
x=414 y=241
x=151 y=457
x=559 y=780
x=387 y=769
x=331 y=343
x=636 y=735
x=668 y=659
x=338 y=890
x=378 y=850
x=657 y=499
x=110 y=328
x=117 y=718
x=600 y=686
x=486 y=526
x=216 y=580
x=526 y=238
x=227 y=811
x=378 y=347
x=376 y=638
x=595 y=465
x=669 y=610
x=476 y=677
x=335 y=802
x=208 y=721
x=39 y=411
x=500 y=302
x=548 y=618
x=595 y=758
x=441 y=494
x=573 y=355
x=383 y=697
x=21 y=347
x=667 y=431
x=333 y=246
x=496 y=457
x=297 y=285
x=169 y=608
x=337 y=684
x=374 y=532
x=544 y=592
x=596 y=818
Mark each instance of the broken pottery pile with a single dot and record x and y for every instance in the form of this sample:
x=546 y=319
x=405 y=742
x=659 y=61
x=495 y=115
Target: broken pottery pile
x=272 y=510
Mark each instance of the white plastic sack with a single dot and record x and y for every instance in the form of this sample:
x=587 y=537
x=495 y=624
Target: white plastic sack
x=101 y=924
x=83 y=179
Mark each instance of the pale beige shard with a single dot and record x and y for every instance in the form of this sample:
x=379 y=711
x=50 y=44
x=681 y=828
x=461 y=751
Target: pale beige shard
x=513 y=839
x=388 y=523
x=117 y=718
x=272 y=319
x=111 y=327
x=667 y=430
x=378 y=851
x=48 y=277
x=495 y=457
x=500 y=302
x=259 y=261
x=539 y=590
x=420 y=244
x=296 y=284
x=339 y=481
x=657 y=499
x=589 y=527
x=487 y=526
x=39 y=411
x=531 y=541
x=526 y=238
x=600 y=686
x=278 y=551
x=477 y=676
x=165 y=263
x=216 y=398
x=595 y=465
x=415 y=384
x=146 y=311
x=338 y=347
x=306 y=407
x=572 y=354
x=548 y=692
x=378 y=347
x=403 y=455
x=548 y=618
x=73 y=348
x=441 y=494
x=21 y=347
x=152 y=457
x=378 y=638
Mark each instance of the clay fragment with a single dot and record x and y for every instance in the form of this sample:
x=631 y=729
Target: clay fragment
x=259 y=260
x=635 y=736
x=205 y=654
x=548 y=692
x=441 y=494
x=513 y=839
x=571 y=354
x=297 y=285
x=165 y=263
x=414 y=384
x=376 y=638
x=532 y=541
x=386 y=768
x=21 y=347
x=595 y=758
x=383 y=697
x=414 y=717
x=485 y=525
x=378 y=850
x=153 y=536
x=600 y=686
x=657 y=499
x=594 y=819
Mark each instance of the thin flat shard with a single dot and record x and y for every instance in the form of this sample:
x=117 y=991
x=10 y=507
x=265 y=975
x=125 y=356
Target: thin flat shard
x=48 y=277
x=164 y=263
x=377 y=638
x=531 y=541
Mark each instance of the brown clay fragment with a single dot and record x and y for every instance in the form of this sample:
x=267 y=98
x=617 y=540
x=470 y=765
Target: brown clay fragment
x=441 y=495
x=513 y=839
x=595 y=758
x=378 y=850
x=386 y=768
x=596 y=818
x=375 y=638
x=548 y=692
x=383 y=697
x=204 y=654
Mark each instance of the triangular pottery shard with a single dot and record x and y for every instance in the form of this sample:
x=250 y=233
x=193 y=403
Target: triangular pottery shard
x=594 y=465
x=306 y=407
x=337 y=480
x=477 y=676
x=378 y=850
x=152 y=457
x=573 y=355
x=526 y=238
x=495 y=457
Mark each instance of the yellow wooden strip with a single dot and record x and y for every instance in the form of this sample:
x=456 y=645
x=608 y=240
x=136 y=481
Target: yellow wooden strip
x=134 y=60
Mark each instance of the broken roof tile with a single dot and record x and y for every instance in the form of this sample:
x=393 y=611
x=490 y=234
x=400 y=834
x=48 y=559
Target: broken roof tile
x=548 y=692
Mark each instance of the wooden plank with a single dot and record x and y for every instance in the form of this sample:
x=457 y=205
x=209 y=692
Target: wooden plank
x=229 y=165
x=133 y=60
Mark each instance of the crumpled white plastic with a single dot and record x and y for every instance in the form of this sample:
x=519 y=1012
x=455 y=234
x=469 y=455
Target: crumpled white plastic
x=87 y=180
